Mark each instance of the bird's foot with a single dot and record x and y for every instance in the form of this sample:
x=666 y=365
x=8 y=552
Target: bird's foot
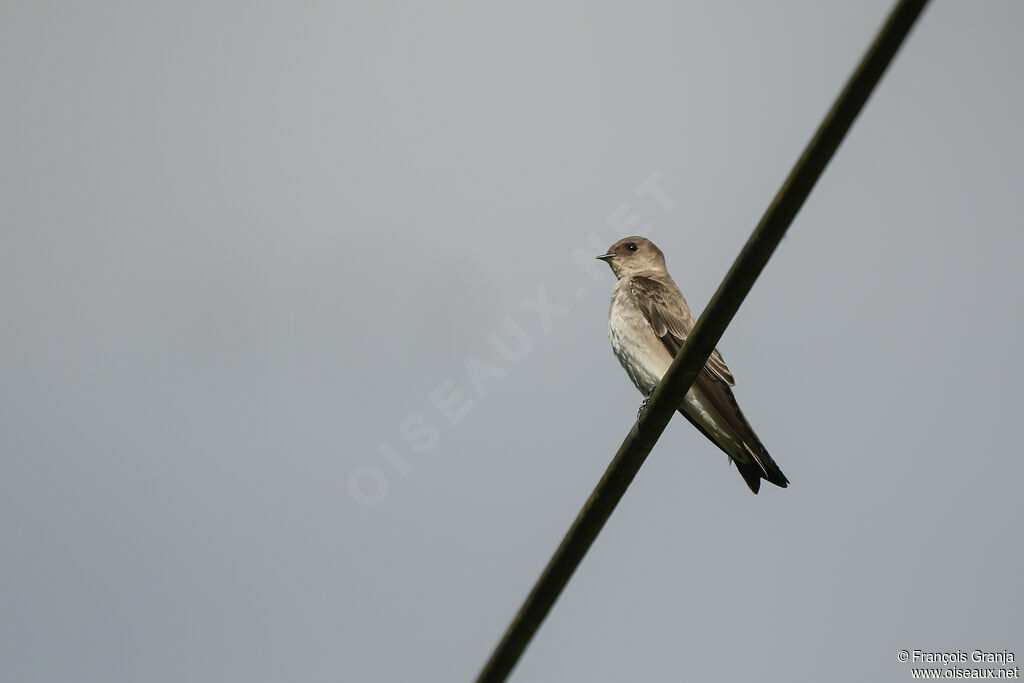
x=643 y=406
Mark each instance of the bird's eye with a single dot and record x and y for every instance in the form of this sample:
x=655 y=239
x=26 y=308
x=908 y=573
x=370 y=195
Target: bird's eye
x=631 y=246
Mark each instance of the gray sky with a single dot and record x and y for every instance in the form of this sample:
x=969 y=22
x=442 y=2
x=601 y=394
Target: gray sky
x=243 y=245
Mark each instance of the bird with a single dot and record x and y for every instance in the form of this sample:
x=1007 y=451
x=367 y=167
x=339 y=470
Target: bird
x=648 y=321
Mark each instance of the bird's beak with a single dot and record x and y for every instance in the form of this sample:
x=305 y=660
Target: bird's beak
x=605 y=257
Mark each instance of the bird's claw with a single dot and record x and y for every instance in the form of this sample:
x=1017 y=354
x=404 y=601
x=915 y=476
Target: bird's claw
x=643 y=406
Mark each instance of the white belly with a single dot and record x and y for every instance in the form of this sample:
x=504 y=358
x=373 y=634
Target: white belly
x=638 y=349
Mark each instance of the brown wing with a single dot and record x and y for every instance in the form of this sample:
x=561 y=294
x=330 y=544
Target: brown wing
x=719 y=395
x=667 y=312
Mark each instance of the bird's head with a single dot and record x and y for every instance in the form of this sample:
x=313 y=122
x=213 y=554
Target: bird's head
x=633 y=256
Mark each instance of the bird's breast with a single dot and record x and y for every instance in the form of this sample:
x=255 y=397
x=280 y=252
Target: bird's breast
x=634 y=342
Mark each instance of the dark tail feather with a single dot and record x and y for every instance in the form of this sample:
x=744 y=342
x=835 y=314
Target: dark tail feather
x=751 y=474
x=761 y=466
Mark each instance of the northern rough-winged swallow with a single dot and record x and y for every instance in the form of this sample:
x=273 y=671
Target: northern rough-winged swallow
x=647 y=324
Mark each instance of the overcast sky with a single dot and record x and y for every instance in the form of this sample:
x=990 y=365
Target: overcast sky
x=253 y=422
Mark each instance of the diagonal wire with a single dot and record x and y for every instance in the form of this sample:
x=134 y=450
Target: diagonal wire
x=701 y=341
